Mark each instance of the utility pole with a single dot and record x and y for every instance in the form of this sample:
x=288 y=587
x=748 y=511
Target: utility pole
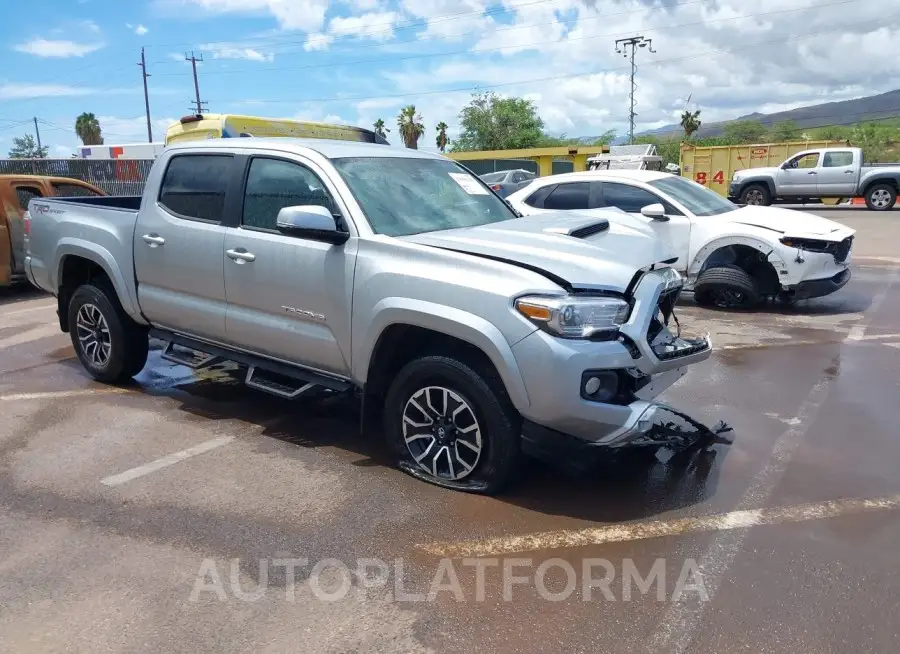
x=622 y=48
x=37 y=131
x=145 y=75
x=194 y=60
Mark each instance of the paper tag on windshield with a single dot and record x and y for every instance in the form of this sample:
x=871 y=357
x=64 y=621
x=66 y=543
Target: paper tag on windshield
x=468 y=184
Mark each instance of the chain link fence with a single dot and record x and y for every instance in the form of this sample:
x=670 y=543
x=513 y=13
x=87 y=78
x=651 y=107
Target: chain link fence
x=113 y=176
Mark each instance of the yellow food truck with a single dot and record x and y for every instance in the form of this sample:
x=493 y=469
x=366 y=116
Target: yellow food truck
x=223 y=126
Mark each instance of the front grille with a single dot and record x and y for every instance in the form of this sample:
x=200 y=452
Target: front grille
x=842 y=250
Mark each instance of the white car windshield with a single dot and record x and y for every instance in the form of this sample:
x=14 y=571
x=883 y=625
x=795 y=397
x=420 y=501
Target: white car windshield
x=697 y=199
x=403 y=195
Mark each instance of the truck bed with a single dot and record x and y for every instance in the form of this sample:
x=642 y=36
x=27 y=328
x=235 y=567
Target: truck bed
x=60 y=227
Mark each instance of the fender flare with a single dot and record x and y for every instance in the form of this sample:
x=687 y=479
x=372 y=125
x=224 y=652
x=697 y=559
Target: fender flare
x=103 y=258
x=772 y=254
x=879 y=178
x=445 y=320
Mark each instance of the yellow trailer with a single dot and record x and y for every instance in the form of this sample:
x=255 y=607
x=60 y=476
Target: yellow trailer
x=543 y=156
x=713 y=166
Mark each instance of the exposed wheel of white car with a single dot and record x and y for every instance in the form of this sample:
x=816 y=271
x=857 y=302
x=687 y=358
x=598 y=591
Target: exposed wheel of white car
x=109 y=344
x=756 y=195
x=726 y=287
x=450 y=425
x=881 y=197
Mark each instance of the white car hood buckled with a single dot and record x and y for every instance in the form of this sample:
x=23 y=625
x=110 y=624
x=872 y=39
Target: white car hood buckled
x=791 y=223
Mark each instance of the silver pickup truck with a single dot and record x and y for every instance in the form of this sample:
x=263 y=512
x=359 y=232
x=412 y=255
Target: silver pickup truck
x=822 y=173
x=470 y=332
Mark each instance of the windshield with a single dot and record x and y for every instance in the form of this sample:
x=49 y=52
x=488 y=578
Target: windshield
x=404 y=195
x=490 y=178
x=697 y=199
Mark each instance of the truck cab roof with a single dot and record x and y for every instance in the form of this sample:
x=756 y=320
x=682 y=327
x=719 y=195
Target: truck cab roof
x=328 y=148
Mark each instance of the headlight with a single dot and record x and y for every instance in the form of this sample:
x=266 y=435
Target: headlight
x=736 y=176
x=670 y=278
x=575 y=317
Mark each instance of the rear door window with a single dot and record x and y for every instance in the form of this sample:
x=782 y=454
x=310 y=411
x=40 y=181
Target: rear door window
x=194 y=186
x=67 y=190
x=571 y=196
x=25 y=194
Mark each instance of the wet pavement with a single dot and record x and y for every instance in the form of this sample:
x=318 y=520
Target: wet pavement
x=785 y=540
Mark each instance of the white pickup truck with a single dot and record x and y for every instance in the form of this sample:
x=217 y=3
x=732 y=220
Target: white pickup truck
x=821 y=173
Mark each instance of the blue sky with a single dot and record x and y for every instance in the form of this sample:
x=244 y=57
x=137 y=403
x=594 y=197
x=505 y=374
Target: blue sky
x=357 y=60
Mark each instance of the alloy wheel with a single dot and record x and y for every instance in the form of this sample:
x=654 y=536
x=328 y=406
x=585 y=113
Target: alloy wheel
x=442 y=433
x=93 y=335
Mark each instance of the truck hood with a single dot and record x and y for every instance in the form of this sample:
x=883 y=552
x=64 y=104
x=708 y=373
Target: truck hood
x=574 y=249
x=800 y=224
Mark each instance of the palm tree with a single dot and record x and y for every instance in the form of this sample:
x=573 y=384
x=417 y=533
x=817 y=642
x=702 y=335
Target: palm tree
x=88 y=129
x=442 y=139
x=690 y=122
x=380 y=129
x=411 y=126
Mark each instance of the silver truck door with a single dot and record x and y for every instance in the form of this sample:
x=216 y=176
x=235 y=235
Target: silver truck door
x=178 y=245
x=800 y=175
x=288 y=297
x=838 y=174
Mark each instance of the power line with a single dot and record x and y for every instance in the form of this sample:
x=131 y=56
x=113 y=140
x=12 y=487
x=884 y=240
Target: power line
x=553 y=78
x=431 y=55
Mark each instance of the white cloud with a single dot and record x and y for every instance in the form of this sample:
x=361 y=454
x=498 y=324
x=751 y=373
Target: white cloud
x=62 y=151
x=131 y=130
x=317 y=41
x=47 y=48
x=14 y=91
x=306 y=16
x=235 y=51
x=377 y=25
x=140 y=30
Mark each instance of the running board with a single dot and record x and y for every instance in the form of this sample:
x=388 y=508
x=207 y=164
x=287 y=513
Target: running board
x=193 y=359
x=291 y=380
x=257 y=379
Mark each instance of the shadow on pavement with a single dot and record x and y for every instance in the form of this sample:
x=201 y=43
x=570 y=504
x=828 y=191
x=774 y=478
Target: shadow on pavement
x=19 y=293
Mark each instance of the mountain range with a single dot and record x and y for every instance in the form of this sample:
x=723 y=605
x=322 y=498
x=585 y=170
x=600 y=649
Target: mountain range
x=845 y=112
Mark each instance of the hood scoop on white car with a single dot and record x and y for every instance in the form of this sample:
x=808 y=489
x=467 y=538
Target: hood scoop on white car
x=583 y=230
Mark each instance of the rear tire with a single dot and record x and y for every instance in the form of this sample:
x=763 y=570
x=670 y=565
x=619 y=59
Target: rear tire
x=109 y=344
x=726 y=288
x=756 y=195
x=451 y=425
x=881 y=197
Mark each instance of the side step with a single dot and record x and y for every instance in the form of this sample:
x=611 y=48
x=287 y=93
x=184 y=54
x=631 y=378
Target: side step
x=193 y=359
x=281 y=386
x=281 y=379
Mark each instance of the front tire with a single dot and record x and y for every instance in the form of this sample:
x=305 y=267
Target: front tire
x=109 y=344
x=726 y=288
x=453 y=426
x=756 y=195
x=881 y=197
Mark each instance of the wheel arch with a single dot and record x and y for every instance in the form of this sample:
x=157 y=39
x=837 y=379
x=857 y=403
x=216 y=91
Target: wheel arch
x=762 y=180
x=729 y=249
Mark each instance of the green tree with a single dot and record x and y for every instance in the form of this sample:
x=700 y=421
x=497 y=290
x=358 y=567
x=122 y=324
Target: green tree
x=442 y=140
x=784 y=130
x=380 y=128
x=744 y=132
x=490 y=122
x=25 y=147
x=411 y=126
x=87 y=127
x=874 y=139
x=690 y=122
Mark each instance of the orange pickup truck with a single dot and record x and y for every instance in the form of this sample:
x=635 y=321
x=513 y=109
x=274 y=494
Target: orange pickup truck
x=15 y=192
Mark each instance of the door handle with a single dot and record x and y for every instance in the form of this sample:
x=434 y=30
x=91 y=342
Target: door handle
x=812 y=172
x=153 y=240
x=240 y=256
x=848 y=172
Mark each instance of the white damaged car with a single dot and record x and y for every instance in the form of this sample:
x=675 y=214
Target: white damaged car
x=732 y=257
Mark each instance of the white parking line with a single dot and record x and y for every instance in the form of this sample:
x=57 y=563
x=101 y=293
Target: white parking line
x=658 y=528
x=28 y=310
x=166 y=461
x=52 y=395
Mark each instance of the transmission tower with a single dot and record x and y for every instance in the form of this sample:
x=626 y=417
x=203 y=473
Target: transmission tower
x=627 y=48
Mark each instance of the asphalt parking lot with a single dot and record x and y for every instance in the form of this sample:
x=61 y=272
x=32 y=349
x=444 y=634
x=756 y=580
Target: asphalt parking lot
x=187 y=513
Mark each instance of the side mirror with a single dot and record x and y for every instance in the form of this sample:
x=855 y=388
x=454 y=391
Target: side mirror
x=312 y=222
x=655 y=211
